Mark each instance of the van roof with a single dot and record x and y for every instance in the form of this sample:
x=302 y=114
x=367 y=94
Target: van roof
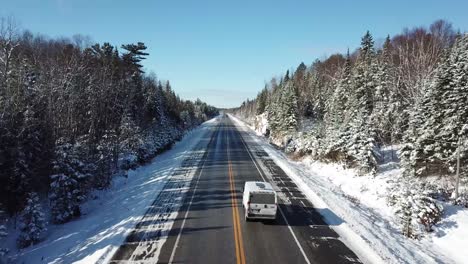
x=258 y=186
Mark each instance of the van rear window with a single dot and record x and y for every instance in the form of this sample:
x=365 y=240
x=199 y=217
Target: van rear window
x=262 y=198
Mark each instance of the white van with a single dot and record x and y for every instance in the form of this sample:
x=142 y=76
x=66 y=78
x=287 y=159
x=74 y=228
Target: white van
x=259 y=201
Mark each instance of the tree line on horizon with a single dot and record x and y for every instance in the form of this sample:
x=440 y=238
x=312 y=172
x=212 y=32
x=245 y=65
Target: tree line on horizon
x=72 y=115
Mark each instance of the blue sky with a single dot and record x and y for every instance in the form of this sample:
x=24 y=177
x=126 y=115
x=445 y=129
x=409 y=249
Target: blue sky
x=224 y=51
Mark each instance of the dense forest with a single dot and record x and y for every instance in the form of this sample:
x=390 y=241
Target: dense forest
x=412 y=90
x=410 y=94
x=72 y=116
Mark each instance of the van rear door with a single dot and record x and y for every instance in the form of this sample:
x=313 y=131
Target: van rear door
x=262 y=203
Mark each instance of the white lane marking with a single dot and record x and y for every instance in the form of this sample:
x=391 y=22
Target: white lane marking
x=171 y=259
x=281 y=211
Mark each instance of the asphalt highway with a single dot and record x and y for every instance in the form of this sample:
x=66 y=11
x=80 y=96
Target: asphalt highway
x=210 y=225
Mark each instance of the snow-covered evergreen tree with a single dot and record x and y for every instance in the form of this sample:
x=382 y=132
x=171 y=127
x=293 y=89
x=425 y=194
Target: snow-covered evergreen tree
x=362 y=146
x=152 y=107
x=75 y=160
x=106 y=156
x=397 y=115
x=282 y=110
x=130 y=142
x=405 y=215
x=65 y=198
x=415 y=209
x=289 y=108
x=273 y=111
x=32 y=222
x=186 y=118
x=335 y=119
x=337 y=109
x=262 y=101
x=381 y=117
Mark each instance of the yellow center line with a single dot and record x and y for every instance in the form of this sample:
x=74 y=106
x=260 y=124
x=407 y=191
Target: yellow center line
x=234 y=220
x=240 y=256
x=239 y=230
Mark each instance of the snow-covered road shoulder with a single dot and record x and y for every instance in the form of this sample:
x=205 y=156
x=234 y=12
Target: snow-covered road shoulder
x=108 y=219
x=364 y=227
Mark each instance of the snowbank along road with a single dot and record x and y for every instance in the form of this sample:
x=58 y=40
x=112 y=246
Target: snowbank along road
x=198 y=217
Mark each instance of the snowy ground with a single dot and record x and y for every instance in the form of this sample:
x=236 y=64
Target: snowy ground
x=109 y=218
x=368 y=224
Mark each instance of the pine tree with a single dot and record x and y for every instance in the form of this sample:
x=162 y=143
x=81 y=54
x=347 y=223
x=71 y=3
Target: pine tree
x=65 y=198
x=286 y=77
x=300 y=74
x=300 y=86
x=335 y=119
x=406 y=220
x=366 y=51
x=186 y=118
x=106 y=157
x=135 y=54
x=262 y=101
x=152 y=108
x=273 y=110
x=397 y=114
x=288 y=108
x=75 y=160
x=130 y=142
x=338 y=105
x=32 y=222
x=362 y=145
x=282 y=110
x=382 y=116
